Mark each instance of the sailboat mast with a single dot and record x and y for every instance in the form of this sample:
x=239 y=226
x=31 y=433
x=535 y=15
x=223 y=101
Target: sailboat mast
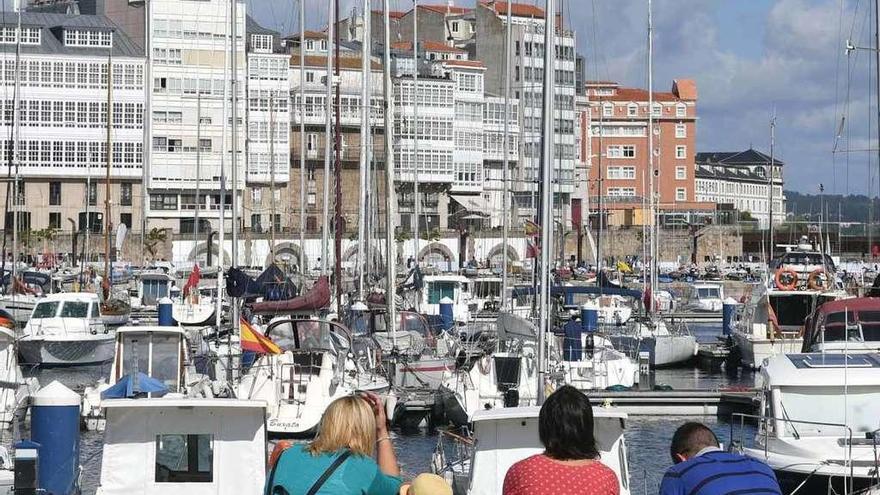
x=770 y=181
x=109 y=162
x=328 y=144
x=17 y=154
x=653 y=172
x=544 y=327
x=302 y=137
x=505 y=149
x=337 y=172
x=390 y=199
x=877 y=99
x=218 y=309
x=415 y=127
x=234 y=100
x=365 y=147
x=196 y=228
x=272 y=172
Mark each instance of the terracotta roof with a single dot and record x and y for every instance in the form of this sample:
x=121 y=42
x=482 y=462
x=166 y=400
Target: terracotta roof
x=428 y=46
x=601 y=83
x=344 y=62
x=464 y=63
x=394 y=14
x=443 y=9
x=636 y=94
x=516 y=9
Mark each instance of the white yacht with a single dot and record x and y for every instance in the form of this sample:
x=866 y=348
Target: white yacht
x=183 y=446
x=706 y=298
x=597 y=369
x=653 y=336
x=506 y=378
x=455 y=287
x=195 y=309
x=487 y=293
x=819 y=427
x=502 y=437
x=315 y=368
x=15 y=389
x=847 y=325
x=158 y=352
x=66 y=330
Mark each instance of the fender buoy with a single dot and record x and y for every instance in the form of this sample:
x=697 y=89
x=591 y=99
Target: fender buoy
x=786 y=279
x=815 y=282
x=484 y=364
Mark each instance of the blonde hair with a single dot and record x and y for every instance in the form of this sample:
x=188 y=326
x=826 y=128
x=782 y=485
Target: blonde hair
x=348 y=423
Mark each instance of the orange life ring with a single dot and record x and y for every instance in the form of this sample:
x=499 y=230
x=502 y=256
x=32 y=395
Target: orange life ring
x=792 y=285
x=813 y=281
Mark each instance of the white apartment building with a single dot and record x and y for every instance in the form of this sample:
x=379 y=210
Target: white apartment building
x=527 y=75
x=741 y=179
x=493 y=154
x=62 y=137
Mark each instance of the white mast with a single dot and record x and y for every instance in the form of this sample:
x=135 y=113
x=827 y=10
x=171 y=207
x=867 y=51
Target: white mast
x=415 y=127
x=302 y=136
x=546 y=189
x=391 y=199
x=653 y=173
x=365 y=147
x=221 y=211
x=328 y=146
x=17 y=157
x=505 y=193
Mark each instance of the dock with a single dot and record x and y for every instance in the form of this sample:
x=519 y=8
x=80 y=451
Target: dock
x=678 y=402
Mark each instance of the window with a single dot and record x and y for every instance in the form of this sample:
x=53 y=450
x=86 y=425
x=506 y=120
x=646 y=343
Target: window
x=681 y=152
x=276 y=223
x=310 y=77
x=29 y=35
x=125 y=219
x=621 y=191
x=78 y=37
x=255 y=222
x=93 y=193
x=608 y=110
x=621 y=172
x=680 y=110
x=680 y=173
x=311 y=142
x=125 y=194
x=657 y=110
x=54 y=220
x=680 y=131
x=632 y=110
x=621 y=151
x=54 y=194
x=205 y=145
x=257 y=195
x=261 y=42
x=455 y=29
x=163 y=201
x=680 y=194
x=310 y=45
x=184 y=458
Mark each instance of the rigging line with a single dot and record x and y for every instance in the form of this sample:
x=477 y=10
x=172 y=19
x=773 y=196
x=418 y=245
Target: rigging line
x=836 y=95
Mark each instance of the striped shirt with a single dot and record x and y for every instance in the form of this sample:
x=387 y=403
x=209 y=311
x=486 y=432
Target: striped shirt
x=719 y=473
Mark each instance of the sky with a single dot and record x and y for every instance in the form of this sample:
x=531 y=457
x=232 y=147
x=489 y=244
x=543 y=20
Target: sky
x=750 y=59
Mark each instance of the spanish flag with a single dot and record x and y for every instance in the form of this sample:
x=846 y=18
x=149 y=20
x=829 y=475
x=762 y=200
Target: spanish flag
x=254 y=341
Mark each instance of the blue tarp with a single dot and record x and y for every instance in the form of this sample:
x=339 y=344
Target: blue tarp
x=129 y=387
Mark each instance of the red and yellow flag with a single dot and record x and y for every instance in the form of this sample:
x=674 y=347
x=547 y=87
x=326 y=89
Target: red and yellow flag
x=254 y=341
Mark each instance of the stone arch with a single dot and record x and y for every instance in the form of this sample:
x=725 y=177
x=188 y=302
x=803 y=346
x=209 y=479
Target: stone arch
x=437 y=249
x=285 y=251
x=497 y=250
x=200 y=252
x=350 y=254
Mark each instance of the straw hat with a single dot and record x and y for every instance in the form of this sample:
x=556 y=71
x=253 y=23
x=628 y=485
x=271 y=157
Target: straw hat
x=427 y=484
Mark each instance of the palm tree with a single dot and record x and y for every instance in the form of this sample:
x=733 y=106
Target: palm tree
x=155 y=237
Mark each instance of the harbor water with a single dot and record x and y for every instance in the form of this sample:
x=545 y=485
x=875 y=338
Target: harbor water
x=647 y=437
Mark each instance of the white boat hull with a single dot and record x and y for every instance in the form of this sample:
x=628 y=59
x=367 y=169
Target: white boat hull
x=428 y=373
x=754 y=350
x=663 y=350
x=193 y=314
x=79 y=351
x=20 y=308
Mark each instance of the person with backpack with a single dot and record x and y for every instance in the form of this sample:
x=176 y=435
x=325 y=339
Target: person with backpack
x=340 y=459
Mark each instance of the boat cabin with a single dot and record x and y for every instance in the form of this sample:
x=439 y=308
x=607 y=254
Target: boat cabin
x=455 y=287
x=505 y=436
x=153 y=287
x=487 y=292
x=159 y=352
x=183 y=447
x=844 y=325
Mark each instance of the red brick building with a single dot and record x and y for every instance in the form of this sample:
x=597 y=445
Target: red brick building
x=614 y=142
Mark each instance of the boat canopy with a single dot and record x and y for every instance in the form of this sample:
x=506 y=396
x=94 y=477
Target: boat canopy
x=309 y=335
x=272 y=284
x=318 y=297
x=511 y=326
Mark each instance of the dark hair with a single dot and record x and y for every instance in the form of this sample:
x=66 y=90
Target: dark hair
x=691 y=438
x=565 y=425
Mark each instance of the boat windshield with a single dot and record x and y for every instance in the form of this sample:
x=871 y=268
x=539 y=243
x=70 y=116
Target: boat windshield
x=154 y=290
x=165 y=351
x=45 y=310
x=827 y=405
x=412 y=322
x=74 y=309
x=707 y=292
x=439 y=290
x=487 y=288
x=311 y=335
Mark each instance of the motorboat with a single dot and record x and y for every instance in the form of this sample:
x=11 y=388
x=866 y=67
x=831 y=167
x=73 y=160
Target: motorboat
x=314 y=368
x=455 y=287
x=847 y=325
x=502 y=437
x=706 y=298
x=15 y=389
x=487 y=293
x=183 y=446
x=66 y=330
x=151 y=287
x=507 y=377
x=595 y=366
x=818 y=426
x=161 y=353
x=772 y=322
x=652 y=335
x=23 y=293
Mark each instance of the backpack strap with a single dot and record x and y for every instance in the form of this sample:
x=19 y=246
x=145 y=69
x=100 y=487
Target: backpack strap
x=329 y=472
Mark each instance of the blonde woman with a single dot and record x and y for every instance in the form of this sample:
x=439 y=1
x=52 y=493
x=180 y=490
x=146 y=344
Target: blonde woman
x=340 y=459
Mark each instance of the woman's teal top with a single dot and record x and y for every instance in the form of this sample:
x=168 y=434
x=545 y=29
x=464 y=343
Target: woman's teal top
x=297 y=470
